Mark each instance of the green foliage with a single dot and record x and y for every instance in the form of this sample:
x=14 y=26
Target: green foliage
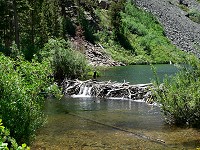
x=124 y=29
x=116 y=22
x=142 y=31
x=194 y=15
x=7 y=142
x=147 y=35
x=88 y=29
x=69 y=27
x=65 y=61
x=23 y=85
x=36 y=20
x=179 y=95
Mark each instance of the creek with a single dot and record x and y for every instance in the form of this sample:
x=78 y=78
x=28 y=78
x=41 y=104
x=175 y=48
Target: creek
x=95 y=123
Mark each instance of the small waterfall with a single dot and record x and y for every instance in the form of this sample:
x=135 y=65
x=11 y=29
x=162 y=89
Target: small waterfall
x=81 y=90
x=85 y=91
x=112 y=90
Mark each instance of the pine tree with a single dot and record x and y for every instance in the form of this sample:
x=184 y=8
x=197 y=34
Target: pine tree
x=6 y=25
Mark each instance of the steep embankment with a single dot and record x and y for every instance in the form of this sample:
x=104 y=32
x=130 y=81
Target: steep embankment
x=182 y=31
x=95 y=53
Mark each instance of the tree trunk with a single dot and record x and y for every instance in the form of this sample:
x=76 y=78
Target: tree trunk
x=63 y=12
x=16 y=24
x=32 y=28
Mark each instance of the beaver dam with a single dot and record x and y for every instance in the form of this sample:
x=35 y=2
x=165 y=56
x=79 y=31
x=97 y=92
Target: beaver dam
x=108 y=89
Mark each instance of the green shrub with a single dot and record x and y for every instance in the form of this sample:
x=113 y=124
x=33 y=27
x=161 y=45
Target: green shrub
x=183 y=7
x=88 y=28
x=141 y=38
x=65 y=61
x=22 y=88
x=120 y=35
x=7 y=142
x=179 y=95
x=69 y=26
x=147 y=36
x=194 y=15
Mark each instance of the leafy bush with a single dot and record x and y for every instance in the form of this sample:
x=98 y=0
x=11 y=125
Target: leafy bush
x=65 y=61
x=147 y=36
x=180 y=95
x=7 y=142
x=22 y=88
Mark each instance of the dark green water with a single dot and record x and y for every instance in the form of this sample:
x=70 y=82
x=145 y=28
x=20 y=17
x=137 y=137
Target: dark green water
x=98 y=124
x=138 y=73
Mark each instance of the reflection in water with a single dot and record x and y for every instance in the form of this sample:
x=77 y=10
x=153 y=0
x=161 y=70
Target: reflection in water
x=97 y=123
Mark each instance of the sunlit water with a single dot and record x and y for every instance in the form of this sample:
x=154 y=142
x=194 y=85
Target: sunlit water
x=98 y=124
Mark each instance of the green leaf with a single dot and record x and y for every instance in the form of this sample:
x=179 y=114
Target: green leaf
x=24 y=145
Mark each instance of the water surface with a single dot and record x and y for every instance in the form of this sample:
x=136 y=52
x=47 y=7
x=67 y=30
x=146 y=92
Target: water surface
x=91 y=123
x=98 y=124
x=137 y=74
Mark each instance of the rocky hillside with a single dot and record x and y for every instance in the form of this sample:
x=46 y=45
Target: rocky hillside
x=182 y=31
x=86 y=19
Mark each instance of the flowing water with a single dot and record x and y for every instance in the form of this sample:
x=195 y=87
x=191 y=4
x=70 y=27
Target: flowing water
x=97 y=124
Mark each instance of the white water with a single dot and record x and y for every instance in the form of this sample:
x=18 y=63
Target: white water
x=85 y=91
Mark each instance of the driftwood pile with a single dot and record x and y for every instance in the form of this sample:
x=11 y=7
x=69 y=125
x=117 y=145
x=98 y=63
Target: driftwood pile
x=107 y=89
